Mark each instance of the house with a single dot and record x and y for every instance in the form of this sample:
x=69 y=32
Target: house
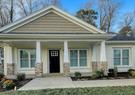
x=52 y=41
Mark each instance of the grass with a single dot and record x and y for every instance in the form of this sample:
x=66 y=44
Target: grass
x=79 y=91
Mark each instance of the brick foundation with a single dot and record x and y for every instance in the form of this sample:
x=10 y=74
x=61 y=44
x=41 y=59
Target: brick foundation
x=66 y=68
x=39 y=70
x=10 y=69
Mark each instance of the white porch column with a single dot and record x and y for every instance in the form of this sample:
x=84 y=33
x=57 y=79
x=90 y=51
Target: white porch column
x=103 y=60
x=66 y=58
x=38 y=52
x=103 y=52
x=38 y=66
x=8 y=60
x=94 y=58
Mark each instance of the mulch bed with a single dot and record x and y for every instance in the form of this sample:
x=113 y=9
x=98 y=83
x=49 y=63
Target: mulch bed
x=123 y=75
x=18 y=84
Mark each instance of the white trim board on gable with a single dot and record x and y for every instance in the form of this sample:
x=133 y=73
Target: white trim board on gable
x=51 y=9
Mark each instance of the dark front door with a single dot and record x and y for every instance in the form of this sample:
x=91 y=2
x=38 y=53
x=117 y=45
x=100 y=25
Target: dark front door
x=54 y=61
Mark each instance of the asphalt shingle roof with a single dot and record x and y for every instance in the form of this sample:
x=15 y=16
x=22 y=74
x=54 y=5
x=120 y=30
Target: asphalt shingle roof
x=122 y=38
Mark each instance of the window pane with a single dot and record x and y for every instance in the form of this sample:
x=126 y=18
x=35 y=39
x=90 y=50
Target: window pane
x=33 y=62
x=23 y=54
x=125 y=61
x=83 y=57
x=33 y=57
x=117 y=56
x=73 y=58
x=125 y=53
x=117 y=61
x=24 y=60
x=125 y=57
x=24 y=63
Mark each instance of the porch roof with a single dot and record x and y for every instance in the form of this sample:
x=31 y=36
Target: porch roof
x=48 y=36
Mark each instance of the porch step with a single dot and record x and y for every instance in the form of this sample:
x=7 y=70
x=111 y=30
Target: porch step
x=53 y=75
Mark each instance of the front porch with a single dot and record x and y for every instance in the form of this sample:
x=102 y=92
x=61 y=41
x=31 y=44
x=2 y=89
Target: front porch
x=40 y=61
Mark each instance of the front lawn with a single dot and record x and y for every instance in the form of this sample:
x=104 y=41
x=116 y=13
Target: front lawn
x=79 y=91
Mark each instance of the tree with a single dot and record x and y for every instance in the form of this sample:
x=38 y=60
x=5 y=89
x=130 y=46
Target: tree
x=5 y=12
x=27 y=7
x=126 y=30
x=11 y=10
x=107 y=13
x=127 y=23
x=88 y=15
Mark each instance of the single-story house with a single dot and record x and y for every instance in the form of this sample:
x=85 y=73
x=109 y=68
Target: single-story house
x=53 y=41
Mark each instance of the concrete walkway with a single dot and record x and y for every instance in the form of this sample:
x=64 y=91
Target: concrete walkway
x=66 y=82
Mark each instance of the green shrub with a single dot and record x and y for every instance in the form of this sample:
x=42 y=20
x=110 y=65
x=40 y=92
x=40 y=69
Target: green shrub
x=20 y=76
x=100 y=74
x=1 y=75
x=94 y=76
x=131 y=72
x=77 y=74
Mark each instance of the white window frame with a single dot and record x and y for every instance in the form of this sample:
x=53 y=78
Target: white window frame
x=121 y=58
x=29 y=58
x=78 y=64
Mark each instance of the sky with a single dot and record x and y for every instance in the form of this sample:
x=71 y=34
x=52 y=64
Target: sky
x=72 y=6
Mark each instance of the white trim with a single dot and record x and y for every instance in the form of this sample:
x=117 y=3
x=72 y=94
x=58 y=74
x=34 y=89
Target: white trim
x=121 y=49
x=47 y=10
x=38 y=52
x=103 y=52
x=66 y=59
x=29 y=67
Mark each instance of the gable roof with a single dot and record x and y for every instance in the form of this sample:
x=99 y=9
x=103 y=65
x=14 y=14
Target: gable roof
x=45 y=11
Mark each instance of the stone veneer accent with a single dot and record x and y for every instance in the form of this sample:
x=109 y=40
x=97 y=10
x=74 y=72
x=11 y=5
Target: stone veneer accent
x=10 y=69
x=100 y=66
x=66 y=68
x=94 y=66
x=39 y=69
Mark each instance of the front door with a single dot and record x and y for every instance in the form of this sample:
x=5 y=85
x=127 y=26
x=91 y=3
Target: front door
x=54 y=61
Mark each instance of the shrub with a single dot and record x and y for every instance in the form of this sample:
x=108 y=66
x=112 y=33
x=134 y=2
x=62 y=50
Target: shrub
x=94 y=76
x=1 y=76
x=100 y=74
x=8 y=84
x=115 y=71
x=77 y=74
x=131 y=72
x=20 y=76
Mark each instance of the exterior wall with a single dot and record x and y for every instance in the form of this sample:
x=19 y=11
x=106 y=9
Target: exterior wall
x=109 y=53
x=45 y=59
x=50 y=23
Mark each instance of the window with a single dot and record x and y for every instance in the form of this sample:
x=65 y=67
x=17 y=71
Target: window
x=27 y=58
x=121 y=56
x=78 y=58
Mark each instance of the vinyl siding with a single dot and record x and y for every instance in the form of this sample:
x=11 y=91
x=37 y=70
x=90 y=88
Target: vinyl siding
x=51 y=23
